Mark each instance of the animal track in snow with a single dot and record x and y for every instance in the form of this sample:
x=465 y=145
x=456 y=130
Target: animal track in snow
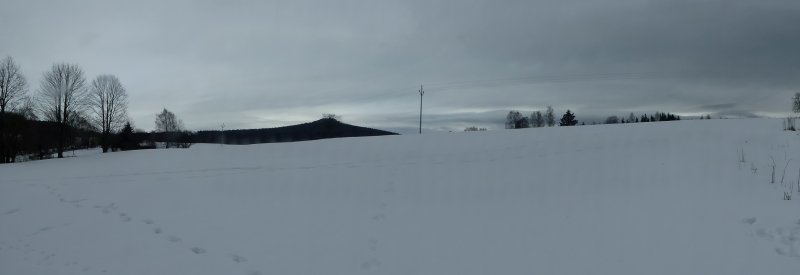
x=198 y=250
x=157 y=230
x=371 y=263
x=786 y=239
x=12 y=211
x=174 y=239
x=238 y=258
x=751 y=220
x=373 y=244
x=148 y=221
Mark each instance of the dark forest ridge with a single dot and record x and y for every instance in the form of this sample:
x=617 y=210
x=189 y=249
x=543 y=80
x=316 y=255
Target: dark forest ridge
x=320 y=129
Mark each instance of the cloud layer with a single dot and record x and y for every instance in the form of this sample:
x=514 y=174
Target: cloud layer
x=271 y=63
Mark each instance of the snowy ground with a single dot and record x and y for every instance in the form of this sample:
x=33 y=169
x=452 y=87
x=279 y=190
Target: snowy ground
x=649 y=198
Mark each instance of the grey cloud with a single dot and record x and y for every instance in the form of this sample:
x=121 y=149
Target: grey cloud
x=264 y=64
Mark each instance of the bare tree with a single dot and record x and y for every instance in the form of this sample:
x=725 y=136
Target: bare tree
x=12 y=84
x=12 y=89
x=62 y=94
x=27 y=109
x=612 y=120
x=550 y=117
x=537 y=120
x=631 y=118
x=109 y=106
x=169 y=125
x=796 y=104
x=515 y=120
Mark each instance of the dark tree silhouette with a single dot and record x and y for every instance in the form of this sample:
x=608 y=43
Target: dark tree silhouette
x=514 y=120
x=12 y=89
x=568 y=119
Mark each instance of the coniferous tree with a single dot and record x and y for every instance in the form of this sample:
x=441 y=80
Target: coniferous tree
x=568 y=119
x=125 y=141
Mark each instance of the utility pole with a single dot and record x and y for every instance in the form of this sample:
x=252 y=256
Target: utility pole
x=222 y=134
x=421 y=92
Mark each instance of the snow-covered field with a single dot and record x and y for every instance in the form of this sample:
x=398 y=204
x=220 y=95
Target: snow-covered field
x=649 y=198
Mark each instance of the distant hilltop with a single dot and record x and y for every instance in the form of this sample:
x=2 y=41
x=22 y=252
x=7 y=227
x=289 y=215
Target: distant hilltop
x=320 y=129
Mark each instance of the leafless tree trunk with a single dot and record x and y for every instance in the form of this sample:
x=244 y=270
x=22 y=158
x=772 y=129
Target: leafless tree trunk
x=12 y=89
x=109 y=106
x=62 y=94
x=773 y=170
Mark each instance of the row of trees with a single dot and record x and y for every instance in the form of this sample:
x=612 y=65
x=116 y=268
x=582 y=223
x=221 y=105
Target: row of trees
x=632 y=118
x=66 y=101
x=516 y=120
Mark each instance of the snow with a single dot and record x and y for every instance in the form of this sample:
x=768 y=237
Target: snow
x=648 y=198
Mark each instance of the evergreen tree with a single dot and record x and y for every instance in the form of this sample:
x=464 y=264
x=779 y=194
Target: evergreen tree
x=568 y=119
x=126 y=140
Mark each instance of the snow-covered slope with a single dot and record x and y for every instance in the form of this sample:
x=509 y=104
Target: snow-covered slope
x=649 y=198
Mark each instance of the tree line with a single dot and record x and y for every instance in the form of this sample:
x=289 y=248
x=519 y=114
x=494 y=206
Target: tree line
x=516 y=120
x=67 y=111
x=632 y=118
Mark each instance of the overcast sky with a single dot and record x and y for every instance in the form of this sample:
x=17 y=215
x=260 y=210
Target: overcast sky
x=254 y=64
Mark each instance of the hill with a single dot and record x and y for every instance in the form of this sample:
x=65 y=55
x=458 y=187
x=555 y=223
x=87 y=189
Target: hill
x=320 y=129
x=645 y=198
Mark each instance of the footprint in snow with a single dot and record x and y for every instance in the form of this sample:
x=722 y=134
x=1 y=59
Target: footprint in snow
x=373 y=244
x=148 y=221
x=198 y=250
x=157 y=230
x=174 y=239
x=238 y=258
x=751 y=220
x=370 y=264
x=15 y=210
